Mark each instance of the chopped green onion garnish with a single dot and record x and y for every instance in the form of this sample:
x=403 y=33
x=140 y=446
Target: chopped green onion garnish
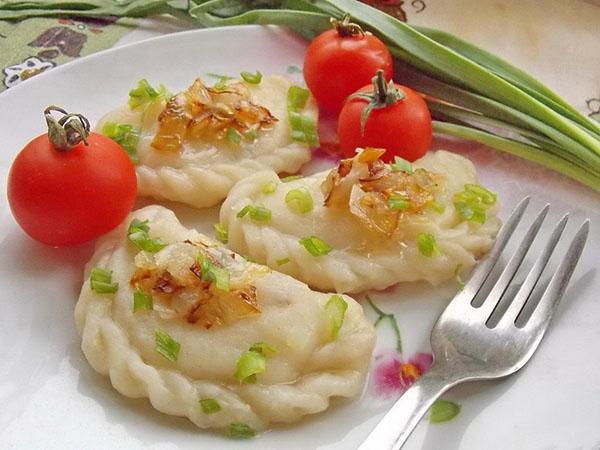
x=438 y=207
x=233 y=136
x=252 y=78
x=401 y=165
x=457 y=276
x=221 y=82
x=144 y=94
x=210 y=272
x=427 y=244
x=398 y=202
x=125 y=135
x=249 y=365
x=255 y=212
x=101 y=281
x=142 y=301
x=269 y=188
x=166 y=345
x=472 y=203
x=263 y=347
x=221 y=233
x=281 y=262
x=250 y=135
x=443 y=411
x=290 y=178
x=297 y=98
x=209 y=406
x=240 y=431
x=315 y=246
x=304 y=129
x=336 y=308
x=138 y=233
x=299 y=200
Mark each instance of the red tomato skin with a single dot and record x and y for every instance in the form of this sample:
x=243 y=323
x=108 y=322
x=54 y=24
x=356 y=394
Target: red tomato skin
x=335 y=66
x=403 y=129
x=67 y=198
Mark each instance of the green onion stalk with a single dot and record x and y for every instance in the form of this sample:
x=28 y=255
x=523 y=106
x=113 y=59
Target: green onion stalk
x=472 y=93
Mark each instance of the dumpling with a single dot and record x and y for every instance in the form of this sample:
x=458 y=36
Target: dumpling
x=207 y=335
x=194 y=146
x=366 y=225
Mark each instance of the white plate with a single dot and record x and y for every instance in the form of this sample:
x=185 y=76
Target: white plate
x=51 y=398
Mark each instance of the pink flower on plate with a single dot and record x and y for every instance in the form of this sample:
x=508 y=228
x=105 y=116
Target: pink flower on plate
x=393 y=375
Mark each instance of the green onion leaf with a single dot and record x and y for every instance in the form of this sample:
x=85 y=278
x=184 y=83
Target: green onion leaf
x=290 y=178
x=252 y=78
x=263 y=347
x=269 y=188
x=443 y=411
x=315 y=246
x=438 y=207
x=427 y=244
x=299 y=200
x=398 y=202
x=240 y=431
x=101 y=281
x=249 y=365
x=233 y=136
x=401 y=165
x=213 y=274
x=472 y=203
x=166 y=345
x=336 y=308
x=221 y=83
x=221 y=233
x=209 y=406
x=257 y=213
x=138 y=233
x=281 y=262
x=304 y=129
x=144 y=94
x=250 y=135
x=142 y=301
x=125 y=135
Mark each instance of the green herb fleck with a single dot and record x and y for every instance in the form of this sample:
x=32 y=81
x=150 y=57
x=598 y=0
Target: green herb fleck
x=290 y=178
x=296 y=98
x=299 y=200
x=233 y=136
x=427 y=244
x=257 y=213
x=315 y=246
x=269 y=188
x=138 y=233
x=438 y=207
x=101 y=281
x=142 y=301
x=336 y=308
x=144 y=94
x=213 y=274
x=398 y=202
x=252 y=78
x=304 y=129
x=125 y=135
x=250 y=135
x=443 y=411
x=472 y=203
x=240 y=431
x=209 y=406
x=401 y=165
x=249 y=365
x=166 y=345
x=221 y=233
x=281 y=262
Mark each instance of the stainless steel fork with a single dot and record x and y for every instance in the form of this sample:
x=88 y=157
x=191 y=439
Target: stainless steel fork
x=491 y=340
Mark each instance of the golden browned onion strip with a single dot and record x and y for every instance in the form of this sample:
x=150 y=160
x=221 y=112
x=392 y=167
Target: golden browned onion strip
x=204 y=113
x=365 y=185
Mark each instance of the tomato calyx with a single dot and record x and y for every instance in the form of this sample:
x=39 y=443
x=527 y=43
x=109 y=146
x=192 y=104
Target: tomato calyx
x=68 y=131
x=345 y=28
x=384 y=94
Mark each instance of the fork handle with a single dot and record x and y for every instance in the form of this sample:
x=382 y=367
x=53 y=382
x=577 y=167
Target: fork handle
x=396 y=426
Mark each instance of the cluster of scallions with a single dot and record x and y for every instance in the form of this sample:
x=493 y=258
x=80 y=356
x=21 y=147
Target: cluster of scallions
x=471 y=93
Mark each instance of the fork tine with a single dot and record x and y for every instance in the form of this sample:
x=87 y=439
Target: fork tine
x=516 y=306
x=542 y=313
x=483 y=269
x=492 y=300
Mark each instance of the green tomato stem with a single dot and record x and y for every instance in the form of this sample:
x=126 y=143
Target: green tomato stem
x=68 y=131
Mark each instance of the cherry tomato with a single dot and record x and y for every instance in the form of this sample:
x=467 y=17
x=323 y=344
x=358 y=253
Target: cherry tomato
x=403 y=128
x=340 y=61
x=72 y=196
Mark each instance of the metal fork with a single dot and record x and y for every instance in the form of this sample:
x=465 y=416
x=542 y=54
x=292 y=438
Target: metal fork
x=491 y=340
